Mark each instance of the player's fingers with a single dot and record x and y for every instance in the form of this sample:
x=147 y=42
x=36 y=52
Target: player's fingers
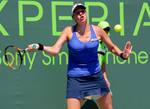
x=129 y=49
x=128 y=45
x=127 y=52
x=30 y=48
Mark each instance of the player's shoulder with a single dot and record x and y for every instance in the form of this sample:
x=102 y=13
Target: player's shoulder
x=68 y=28
x=96 y=28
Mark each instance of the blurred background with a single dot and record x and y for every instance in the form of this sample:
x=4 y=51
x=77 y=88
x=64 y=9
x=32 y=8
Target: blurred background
x=41 y=81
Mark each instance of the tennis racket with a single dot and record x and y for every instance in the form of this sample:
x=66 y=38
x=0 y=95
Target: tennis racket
x=14 y=56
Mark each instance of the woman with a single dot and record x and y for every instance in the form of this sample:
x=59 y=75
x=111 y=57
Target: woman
x=85 y=78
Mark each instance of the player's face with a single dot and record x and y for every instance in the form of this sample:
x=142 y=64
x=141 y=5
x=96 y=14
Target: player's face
x=80 y=16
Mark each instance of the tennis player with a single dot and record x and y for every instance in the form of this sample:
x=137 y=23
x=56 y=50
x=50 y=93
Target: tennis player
x=84 y=75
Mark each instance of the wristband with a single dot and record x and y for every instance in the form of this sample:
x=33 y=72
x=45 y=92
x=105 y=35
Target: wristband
x=121 y=56
x=41 y=46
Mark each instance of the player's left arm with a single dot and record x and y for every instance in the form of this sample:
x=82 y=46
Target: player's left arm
x=111 y=46
x=104 y=37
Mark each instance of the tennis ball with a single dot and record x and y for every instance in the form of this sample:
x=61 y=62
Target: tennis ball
x=118 y=28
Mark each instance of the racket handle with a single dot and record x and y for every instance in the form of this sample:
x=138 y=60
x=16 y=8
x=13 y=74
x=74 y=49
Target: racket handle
x=26 y=49
x=35 y=46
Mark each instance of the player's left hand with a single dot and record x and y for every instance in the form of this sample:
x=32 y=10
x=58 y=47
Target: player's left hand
x=127 y=49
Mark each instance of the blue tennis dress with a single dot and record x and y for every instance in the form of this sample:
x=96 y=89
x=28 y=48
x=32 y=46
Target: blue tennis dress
x=84 y=72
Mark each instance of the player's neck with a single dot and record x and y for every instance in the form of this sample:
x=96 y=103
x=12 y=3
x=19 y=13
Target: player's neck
x=81 y=29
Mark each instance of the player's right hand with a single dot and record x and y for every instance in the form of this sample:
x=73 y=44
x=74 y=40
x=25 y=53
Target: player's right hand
x=33 y=47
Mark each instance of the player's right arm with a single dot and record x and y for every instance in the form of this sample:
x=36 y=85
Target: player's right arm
x=55 y=49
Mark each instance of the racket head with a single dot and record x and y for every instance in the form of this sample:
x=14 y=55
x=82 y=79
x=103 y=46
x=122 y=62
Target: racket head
x=13 y=57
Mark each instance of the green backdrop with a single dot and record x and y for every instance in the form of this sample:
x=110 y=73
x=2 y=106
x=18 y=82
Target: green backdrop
x=41 y=81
